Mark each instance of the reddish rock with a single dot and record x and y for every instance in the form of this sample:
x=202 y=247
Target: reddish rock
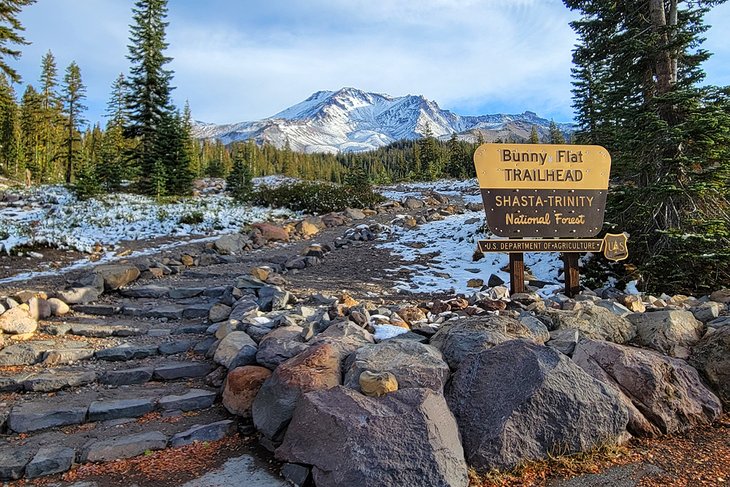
x=272 y=232
x=315 y=369
x=241 y=386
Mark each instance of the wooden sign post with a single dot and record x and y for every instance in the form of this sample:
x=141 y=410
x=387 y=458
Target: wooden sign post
x=536 y=195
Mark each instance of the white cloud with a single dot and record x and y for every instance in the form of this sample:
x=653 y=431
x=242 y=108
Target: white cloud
x=246 y=60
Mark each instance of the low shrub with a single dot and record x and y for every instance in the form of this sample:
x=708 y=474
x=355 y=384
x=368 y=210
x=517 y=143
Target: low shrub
x=193 y=218
x=315 y=197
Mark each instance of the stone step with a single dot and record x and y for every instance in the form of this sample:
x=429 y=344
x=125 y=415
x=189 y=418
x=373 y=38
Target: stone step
x=60 y=378
x=148 y=311
x=51 y=452
x=38 y=415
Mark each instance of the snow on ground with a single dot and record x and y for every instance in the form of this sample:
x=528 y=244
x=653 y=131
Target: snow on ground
x=51 y=215
x=454 y=241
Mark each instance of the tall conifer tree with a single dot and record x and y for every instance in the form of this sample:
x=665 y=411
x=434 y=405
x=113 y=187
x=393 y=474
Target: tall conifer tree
x=149 y=92
x=638 y=93
x=74 y=92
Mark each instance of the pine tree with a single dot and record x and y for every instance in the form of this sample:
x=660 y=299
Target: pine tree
x=30 y=122
x=50 y=128
x=112 y=168
x=534 y=137
x=430 y=153
x=238 y=183
x=191 y=145
x=9 y=129
x=556 y=136
x=74 y=93
x=10 y=29
x=638 y=92
x=148 y=94
x=173 y=156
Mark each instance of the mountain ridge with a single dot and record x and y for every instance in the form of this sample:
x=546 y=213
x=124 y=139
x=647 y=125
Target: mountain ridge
x=352 y=120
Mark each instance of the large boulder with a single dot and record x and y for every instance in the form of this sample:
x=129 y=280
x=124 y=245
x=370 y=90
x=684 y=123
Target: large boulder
x=520 y=401
x=671 y=332
x=17 y=321
x=711 y=356
x=413 y=364
x=345 y=335
x=667 y=394
x=279 y=345
x=471 y=335
x=407 y=438
x=272 y=232
x=235 y=350
x=315 y=369
x=232 y=244
x=116 y=275
x=241 y=386
x=594 y=322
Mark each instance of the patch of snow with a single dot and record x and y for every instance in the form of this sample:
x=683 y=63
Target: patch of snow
x=384 y=332
x=632 y=289
x=52 y=216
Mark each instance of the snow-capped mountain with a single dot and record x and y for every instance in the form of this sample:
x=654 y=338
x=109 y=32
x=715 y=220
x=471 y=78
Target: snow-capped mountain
x=354 y=120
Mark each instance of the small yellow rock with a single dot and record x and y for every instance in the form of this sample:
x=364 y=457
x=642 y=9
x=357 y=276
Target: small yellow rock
x=376 y=384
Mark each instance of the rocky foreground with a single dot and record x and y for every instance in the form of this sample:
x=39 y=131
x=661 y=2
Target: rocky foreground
x=356 y=388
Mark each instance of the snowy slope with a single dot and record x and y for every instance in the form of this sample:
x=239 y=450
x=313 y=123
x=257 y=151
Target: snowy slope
x=351 y=120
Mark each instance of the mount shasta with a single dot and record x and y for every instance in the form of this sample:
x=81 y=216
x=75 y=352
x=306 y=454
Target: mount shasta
x=351 y=120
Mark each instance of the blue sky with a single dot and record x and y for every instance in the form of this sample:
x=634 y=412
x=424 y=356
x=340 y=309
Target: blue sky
x=237 y=60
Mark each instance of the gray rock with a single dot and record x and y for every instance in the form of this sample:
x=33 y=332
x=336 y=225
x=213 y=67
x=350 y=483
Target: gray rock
x=667 y=394
x=594 y=322
x=669 y=332
x=280 y=345
x=315 y=369
x=413 y=203
x=518 y=386
x=351 y=439
x=537 y=329
x=103 y=331
x=120 y=408
x=708 y=311
x=196 y=311
x=207 y=432
x=243 y=309
x=413 y=364
x=178 y=346
x=126 y=352
x=230 y=244
x=273 y=298
x=27 y=353
x=98 y=309
x=182 y=370
x=123 y=377
x=116 y=275
x=235 y=350
x=55 y=379
x=13 y=461
x=249 y=282
x=241 y=471
x=719 y=322
x=17 y=321
x=459 y=339
x=149 y=291
x=612 y=305
x=168 y=311
x=193 y=400
x=39 y=308
x=50 y=460
x=219 y=312
x=296 y=475
x=347 y=336
x=67 y=355
x=123 y=446
x=185 y=292
x=33 y=416
x=79 y=295
x=564 y=341
x=711 y=357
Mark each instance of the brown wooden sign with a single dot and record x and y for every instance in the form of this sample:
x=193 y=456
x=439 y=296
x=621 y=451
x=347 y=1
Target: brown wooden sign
x=539 y=190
